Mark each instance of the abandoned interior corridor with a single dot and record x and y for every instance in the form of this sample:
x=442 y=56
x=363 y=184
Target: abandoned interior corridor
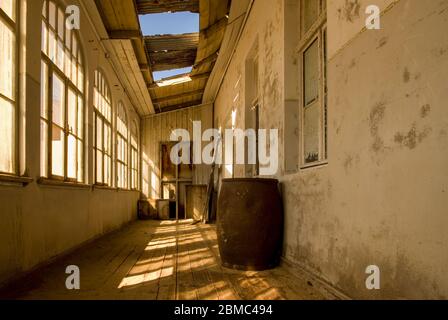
x=153 y=260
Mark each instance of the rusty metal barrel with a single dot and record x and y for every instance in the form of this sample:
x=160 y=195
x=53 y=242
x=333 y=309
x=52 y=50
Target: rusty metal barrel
x=250 y=224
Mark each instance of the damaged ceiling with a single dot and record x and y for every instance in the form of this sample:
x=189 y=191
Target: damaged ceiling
x=166 y=52
x=161 y=6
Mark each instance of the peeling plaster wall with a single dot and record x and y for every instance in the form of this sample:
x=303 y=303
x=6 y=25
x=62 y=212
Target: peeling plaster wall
x=265 y=26
x=40 y=222
x=382 y=199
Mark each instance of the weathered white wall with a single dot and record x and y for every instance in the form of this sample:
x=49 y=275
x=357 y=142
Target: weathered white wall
x=157 y=129
x=382 y=198
x=39 y=222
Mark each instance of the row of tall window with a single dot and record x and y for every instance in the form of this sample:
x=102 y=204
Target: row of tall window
x=63 y=141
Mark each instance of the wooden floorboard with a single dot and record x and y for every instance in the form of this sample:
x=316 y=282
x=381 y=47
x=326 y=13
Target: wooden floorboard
x=154 y=260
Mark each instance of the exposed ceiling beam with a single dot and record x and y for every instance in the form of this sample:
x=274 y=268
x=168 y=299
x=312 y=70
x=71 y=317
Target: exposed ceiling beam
x=181 y=106
x=161 y=61
x=124 y=34
x=172 y=42
x=161 y=6
x=211 y=58
x=215 y=27
x=178 y=96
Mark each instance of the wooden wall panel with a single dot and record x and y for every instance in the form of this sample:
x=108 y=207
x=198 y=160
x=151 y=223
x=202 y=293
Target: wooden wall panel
x=157 y=129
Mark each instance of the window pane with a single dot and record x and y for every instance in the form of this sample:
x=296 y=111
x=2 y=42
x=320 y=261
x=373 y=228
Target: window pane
x=7 y=61
x=67 y=62
x=74 y=46
x=72 y=157
x=57 y=161
x=99 y=167
x=68 y=38
x=80 y=79
x=72 y=112
x=80 y=118
x=60 y=55
x=44 y=91
x=61 y=23
x=44 y=9
x=44 y=42
x=7 y=116
x=310 y=12
x=52 y=13
x=107 y=170
x=74 y=72
x=51 y=46
x=311 y=73
x=107 y=139
x=99 y=133
x=311 y=133
x=120 y=149
x=80 y=161
x=8 y=7
x=44 y=149
x=58 y=101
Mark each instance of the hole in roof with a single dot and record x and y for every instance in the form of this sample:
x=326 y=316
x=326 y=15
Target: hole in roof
x=160 y=75
x=169 y=23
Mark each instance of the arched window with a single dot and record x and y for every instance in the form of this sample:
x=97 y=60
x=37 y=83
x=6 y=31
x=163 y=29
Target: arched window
x=62 y=98
x=8 y=85
x=134 y=156
x=122 y=148
x=103 y=130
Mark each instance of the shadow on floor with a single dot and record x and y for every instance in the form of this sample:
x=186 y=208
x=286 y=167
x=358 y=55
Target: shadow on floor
x=154 y=260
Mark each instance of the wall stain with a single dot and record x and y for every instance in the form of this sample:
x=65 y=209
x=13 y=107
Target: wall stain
x=406 y=75
x=382 y=42
x=425 y=111
x=413 y=138
x=376 y=116
x=350 y=162
x=350 y=10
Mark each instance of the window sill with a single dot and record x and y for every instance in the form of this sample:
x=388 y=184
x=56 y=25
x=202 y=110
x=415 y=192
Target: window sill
x=125 y=190
x=314 y=165
x=11 y=180
x=57 y=183
x=100 y=187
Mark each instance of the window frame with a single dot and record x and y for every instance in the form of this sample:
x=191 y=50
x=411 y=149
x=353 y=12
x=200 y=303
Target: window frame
x=316 y=32
x=98 y=114
x=134 y=152
x=14 y=25
x=125 y=162
x=54 y=70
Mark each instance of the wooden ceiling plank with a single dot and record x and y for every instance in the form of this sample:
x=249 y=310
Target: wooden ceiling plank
x=178 y=96
x=161 y=6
